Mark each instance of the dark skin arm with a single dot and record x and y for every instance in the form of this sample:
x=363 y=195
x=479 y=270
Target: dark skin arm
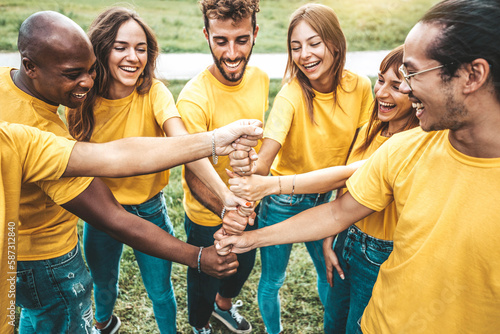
x=233 y=223
x=98 y=207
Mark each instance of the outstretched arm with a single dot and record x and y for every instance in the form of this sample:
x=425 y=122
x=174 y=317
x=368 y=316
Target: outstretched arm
x=313 y=224
x=98 y=207
x=256 y=187
x=136 y=156
x=203 y=168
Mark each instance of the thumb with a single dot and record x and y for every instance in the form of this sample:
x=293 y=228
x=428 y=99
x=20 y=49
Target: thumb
x=252 y=129
x=223 y=243
x=231 y=174
x=242 y=202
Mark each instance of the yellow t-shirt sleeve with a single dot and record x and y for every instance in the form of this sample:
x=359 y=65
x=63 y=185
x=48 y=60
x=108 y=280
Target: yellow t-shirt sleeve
x=369 y=185
x=44 y=155
x=163 y=103
x=194 y=116
x=280 y=120
x=367 y=101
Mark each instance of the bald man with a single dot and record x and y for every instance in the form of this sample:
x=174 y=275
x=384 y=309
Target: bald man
x=53 y=286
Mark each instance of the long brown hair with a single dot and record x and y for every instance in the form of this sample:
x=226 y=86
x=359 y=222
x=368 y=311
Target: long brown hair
x=324 y=21
x=392 y=61
x=102 y=34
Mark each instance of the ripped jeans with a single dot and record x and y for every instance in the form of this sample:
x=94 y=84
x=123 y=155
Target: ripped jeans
x=55 y=295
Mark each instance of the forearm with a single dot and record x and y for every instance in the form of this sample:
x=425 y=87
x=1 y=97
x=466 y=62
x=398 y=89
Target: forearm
x=148 y=238
x=313 y=224
x=202 y=193
x=136 y=156
x=97 y=206
x=318 y=181
x=206 y=174
x=267 y=153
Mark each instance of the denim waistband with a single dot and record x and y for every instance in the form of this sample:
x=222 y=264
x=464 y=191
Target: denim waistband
x=153 y=199
x=355 y=233
x=318 y=197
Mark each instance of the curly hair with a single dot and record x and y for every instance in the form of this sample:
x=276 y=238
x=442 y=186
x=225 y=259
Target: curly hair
x=235 y=10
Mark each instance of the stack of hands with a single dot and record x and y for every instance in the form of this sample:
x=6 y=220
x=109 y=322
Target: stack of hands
x=239 y=210
x=244 y=186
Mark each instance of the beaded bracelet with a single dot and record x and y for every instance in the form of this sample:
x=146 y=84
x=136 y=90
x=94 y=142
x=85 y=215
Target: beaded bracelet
x=215 y=158
x=223 y=213
x=199 y=260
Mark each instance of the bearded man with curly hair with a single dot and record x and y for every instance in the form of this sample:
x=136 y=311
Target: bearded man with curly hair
x=225 y=91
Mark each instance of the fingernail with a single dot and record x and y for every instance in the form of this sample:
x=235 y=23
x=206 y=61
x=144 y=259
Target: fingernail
x=259 y=131
x=233 y=145
x=247 y=204
x=254 y=156
x=342 y=276
x=217 y=246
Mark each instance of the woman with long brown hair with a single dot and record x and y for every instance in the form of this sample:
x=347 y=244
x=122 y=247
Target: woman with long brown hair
x=312 y=125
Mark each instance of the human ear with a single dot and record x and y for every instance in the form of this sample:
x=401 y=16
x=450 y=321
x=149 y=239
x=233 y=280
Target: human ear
x=256 y=30
x=205 y=32
x=478 y=72
x=29 y=67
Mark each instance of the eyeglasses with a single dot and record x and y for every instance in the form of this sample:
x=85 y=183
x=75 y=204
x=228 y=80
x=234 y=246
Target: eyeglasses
x=407 y=76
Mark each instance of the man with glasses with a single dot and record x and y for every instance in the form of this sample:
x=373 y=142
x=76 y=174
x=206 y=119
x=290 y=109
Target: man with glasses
x=444 y=272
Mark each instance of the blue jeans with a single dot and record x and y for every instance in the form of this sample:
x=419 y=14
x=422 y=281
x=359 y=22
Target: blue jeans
x=275 y=209
x=103 y=253
x=203 y=288
x=55 y=295
x=360 y=256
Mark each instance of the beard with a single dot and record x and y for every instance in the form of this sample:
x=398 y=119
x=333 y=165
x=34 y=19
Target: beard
x=455 y=112
x=231 y=77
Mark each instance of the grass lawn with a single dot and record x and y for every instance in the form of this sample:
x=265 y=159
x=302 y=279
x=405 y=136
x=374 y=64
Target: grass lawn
x=368 y=24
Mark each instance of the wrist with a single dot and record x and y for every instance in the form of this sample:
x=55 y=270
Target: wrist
x=198 y=264
x=215 y=157
x=277 y=186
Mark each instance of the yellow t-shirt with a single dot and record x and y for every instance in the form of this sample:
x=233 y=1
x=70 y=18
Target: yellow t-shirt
x=381 y=224
x=443 y=275
x=46 y=230
x=206 y=104
x=26 y=155
x=135 y=116
x=306 y=146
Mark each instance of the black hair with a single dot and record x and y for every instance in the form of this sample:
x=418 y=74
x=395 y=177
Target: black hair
x=470 y=31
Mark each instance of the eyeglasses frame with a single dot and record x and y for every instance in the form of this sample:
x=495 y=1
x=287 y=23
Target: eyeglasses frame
x=402 y=70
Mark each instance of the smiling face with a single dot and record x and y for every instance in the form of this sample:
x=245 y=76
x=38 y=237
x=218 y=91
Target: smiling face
x=64 y=72
x=435 y=99
x=311 y=55
x=127 y=59
x=231 y=44
x=393 y=106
